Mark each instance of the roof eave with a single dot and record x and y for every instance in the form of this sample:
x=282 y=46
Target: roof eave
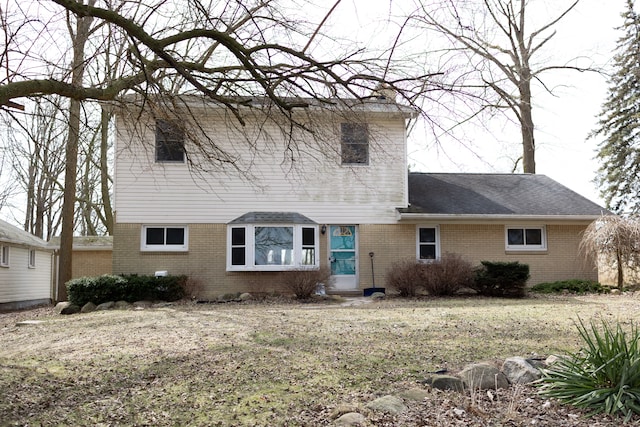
x=493 y=217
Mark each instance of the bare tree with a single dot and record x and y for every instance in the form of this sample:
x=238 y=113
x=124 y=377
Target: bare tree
x=229 y=52
x=616 y=240
x=492 y=41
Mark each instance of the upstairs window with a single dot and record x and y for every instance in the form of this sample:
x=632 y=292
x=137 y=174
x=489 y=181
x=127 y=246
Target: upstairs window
x=272 y=247
x=4 y=256
x=526 y=238
x=32 y=258
x=169 y=142
x=428 y=245
x=164 y=238
x=355 y=143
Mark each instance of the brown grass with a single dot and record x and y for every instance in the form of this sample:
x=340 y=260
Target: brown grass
x=250 y=364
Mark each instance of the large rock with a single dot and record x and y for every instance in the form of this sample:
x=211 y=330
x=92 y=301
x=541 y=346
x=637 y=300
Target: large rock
x=105 y=306
x=445 y=382
x=122 y=305
x=484 y=377
x=519 y=371
x=88 y=307
x=388 y=404
x=351 y=419
x=65 y=307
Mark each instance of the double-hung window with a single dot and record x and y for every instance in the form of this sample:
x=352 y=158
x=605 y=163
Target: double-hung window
x=271 y=247
x=354 y=143
x=525 y=238
x=164 y=238
x=4 y=256
x=169 y=142
x=428 y=242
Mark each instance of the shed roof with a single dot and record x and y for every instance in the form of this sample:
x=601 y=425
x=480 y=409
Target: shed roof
x=498 y=195
x=14 y=235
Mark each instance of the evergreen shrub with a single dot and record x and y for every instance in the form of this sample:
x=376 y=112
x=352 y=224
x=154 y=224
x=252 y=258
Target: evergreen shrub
x=501 y=279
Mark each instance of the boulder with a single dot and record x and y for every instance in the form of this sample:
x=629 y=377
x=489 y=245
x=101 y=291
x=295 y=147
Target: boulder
x=445 y=382
x=351 y=419
x=245 y=296
x=484 y=377
x=519 y=371
x=65 y=307
x=105 y=306
x=122 y=305
x=388 y=404
x=88 y=307
x=141 y=305
x=414 y=394
x=378 y=295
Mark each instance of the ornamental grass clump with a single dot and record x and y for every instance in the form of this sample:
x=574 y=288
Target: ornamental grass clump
x=604 y=376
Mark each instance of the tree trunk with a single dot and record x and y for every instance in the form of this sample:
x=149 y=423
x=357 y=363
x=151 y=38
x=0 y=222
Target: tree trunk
x=71 y=157
x=104 y=171
x=620 y=270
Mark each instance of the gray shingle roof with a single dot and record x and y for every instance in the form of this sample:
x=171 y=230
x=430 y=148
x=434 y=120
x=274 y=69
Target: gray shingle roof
x=495 y=194
x=12 y=234
x=272 y=218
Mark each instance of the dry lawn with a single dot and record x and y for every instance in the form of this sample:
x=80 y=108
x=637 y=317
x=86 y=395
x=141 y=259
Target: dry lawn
x=282 y=363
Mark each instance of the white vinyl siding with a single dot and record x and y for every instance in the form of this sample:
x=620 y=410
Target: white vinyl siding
x=317 y=186
x=18 y=282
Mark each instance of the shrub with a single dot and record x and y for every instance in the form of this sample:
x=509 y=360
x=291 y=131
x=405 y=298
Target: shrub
x=575 y=286
x=129 y=288
x=501 y=279
x=303 y=283
x=604 y=376
x=406 y=277
x=446 y=276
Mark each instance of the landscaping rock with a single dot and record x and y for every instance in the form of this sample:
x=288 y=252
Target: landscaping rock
x=122 y=305
x=484 y=377
x=415 y=394
x=388 y=404
x=162 y=304
x=351 y=419
x=66 y=307
x=88 y=307
x=445 y=382
x=141 y=305
x=378 y=295
x=245 y=296
x=105 y=306
x=60 y=306
x=519 y=371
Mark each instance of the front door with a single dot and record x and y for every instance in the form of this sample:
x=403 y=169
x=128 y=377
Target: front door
x=343 y=256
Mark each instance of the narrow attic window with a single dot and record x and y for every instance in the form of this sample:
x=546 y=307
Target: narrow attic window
x=354 y=143
x=169 y=142
x=32 y=258
x=4 y=256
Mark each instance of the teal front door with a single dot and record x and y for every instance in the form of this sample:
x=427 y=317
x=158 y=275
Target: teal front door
x=343 y=256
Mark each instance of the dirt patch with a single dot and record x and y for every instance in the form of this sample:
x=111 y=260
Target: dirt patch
x=258 y=364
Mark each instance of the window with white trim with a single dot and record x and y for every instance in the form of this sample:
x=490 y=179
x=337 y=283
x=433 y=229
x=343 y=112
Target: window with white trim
x=271 y=247
x=169 y=142
x=159 y=238
x=4 y=256
x=427 y=242
x=354 y=143
x=32 y=258
x=525 y=238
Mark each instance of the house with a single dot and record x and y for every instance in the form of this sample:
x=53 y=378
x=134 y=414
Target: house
x=25 y=269
x=91 y=256
x=235 y=205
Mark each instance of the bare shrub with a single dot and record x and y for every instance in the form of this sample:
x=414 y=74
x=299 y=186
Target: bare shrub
x=303 y=283
x=406 y=276
x=193 y=288
x=447 y=275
